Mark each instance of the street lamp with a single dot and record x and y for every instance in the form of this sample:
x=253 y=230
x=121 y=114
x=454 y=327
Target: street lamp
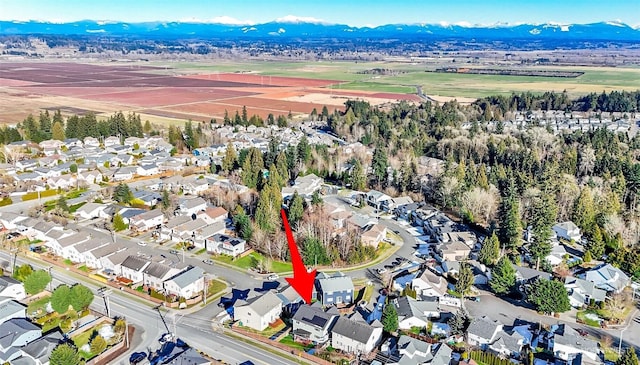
x=620 y=343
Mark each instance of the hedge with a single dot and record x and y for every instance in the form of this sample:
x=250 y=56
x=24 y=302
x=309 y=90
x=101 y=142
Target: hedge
x=43 y=194
x=5 y=201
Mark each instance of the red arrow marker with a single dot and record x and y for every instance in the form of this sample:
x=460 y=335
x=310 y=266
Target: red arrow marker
x=302 y=280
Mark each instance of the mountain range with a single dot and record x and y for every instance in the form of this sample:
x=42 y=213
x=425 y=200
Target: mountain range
x=295 y=28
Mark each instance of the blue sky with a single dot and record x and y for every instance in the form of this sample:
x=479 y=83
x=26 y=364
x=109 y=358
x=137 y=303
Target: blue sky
x=352 y=12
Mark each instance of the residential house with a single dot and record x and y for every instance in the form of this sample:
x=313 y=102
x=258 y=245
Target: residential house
x=155 y=274
x=146 y=221
x=195 y=187
x=77 y=253
x=91 y=211
x=567 y=344
x=608 y=278
x=413 y=313
x=390 y=205
x=90 y=177
x=72 y=142
x=429 y=284
x=148 y=198
x=24 y=165
x=376 y=198
x=132 y=268
x=15 y=333
x=91 y=142
x=186 y=232
x=192 y=206
x=258 y=312
x=112 y=263
x=51 y=144
x=334 y=289
x=186 y=284
x=507 y=344
x=311 y=324
x=124 y=173
x=128 y=213
x=170 y=229
x=483 y=331
x=200 y=235
x=525 y=275
x=291 y=300
x=455 y=248
x=63 y=182
x=372 y=236
x=111 y=141
x=10 y=309
x=410 y=350
x=568 y=231
x=304 y=185
x=354 y=336
x=39 y=351
x=147 y=170
x=64 y=245
x=10 y=220
x=92 y=258
x=581 y=292
x=213 y=215
x=226 y=245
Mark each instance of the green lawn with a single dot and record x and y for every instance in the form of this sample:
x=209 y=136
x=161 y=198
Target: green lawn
x=250 y=260
x=38 y=304
x=581 y=315
x=83 y=339
x=68 y=262
x=609 y=353
x=215 y=287
x=288 y=340
x=73 y=208
x=83 y=268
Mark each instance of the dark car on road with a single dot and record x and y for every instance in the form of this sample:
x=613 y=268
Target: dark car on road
x=137 y=357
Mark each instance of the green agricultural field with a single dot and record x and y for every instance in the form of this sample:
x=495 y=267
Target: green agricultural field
x=595 y=79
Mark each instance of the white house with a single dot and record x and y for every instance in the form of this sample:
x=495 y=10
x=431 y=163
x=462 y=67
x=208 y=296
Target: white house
x=354 y=336
x=226 y=245
x=375 y=198
x=567 y=343
x=90 y=211
x=12 y=288
x=192 y=206
x=132 y=268
x=304 y=185
x=259 y=312
x=568 y=231
x=482 y=331
x=146 y=221
x=10 y=309
x=186 y=284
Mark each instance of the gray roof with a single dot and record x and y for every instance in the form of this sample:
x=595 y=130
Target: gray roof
x=74 y=239
x=41 y=348
x=134 y=263
x=6 y=281
x=223 y=238
x=118 y=257
x=184 y=278
x=527 y=274
x=512 y=342
x=264 y=303
x=192 y=225
x=157 y=270
x=90 y=245
x=12 y=329
x=10 y=307
x=189 y=357
x=573 y=339
x=411 y=345
x=337 y=282
x=177 y=221
x=358 y=331
x=442 y=355
x=89 y=207
x=192 y=203
x=106 y=250
x=409 y=307
x=315 y=316
x=483 y=327
x=607 y=277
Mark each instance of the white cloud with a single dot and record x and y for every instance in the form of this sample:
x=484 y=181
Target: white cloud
x=300 y=19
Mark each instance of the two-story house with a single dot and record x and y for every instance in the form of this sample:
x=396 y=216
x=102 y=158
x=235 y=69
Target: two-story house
x=311 y=324
x=334 y=289
x=186 y=284
x=482 y=331
x=224 y=244
x=258 y=312
x=354 y=336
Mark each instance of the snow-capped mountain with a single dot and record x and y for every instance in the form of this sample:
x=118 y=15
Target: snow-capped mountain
x=295 y=27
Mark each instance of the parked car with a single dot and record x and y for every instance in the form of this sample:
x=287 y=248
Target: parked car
x=140 y=243
x=208 y=261
x=173 y=252
x=363 y=303
x=273 y=277
x=473 y=299
x=382 y=270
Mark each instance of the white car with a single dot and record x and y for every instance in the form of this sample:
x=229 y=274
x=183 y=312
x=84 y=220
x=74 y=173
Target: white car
x=382 y=270
x=140 y=243
x=273 y=277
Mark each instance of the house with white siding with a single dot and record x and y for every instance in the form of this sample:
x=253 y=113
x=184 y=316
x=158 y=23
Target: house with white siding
x=355 y=336
x=186 y=284
x=258 y=312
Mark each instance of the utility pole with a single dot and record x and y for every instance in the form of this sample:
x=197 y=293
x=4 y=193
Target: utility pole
x=104 y=292
x=50 y=276
x=205 y=289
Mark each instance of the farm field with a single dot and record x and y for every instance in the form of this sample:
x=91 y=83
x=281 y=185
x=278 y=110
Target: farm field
x=595 y=79
x=164 y=94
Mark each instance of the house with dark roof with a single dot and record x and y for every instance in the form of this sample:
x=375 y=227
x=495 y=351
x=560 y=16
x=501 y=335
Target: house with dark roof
x=334 y=289
x=15 y=333
x=312 y=324
x=525 y=275
x=132 y=268
x=258 y=312
x=410 y=350
x=38 y=351
x=225 y=244
x=192 y=206
x=11 y=288
x=375 y=198
x=566 y=344
x=155 y=274
x=414 y=313
x=507 y=344
x=187 y=283
x=170 y=229
x=355 y=336
x=482 y=331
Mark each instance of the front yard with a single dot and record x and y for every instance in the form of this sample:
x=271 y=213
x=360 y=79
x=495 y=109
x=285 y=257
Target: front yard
x=253 y=260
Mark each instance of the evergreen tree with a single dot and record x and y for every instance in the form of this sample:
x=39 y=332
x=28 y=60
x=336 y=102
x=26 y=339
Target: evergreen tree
x=147 y=127
x=304 y=150
x=544 y=216
x=510 y=231
x=265 y=217
x=118 y=223
x=503 y=277
x=57 y=131
x=358 y=176
x=64 y=354
x=459 y=323
x=252 y=168
x=230 y=158
x=596 y=244
x=490 y=250
x=296 y=208
x=122 y=193
x=379 y=165
x=283 y=168
x=549 y=296
x=584 y=210
x=316 y=199
x=629 y=357
x=465 y=279
x=314 y=253
x=98 y=344
x=390 y=318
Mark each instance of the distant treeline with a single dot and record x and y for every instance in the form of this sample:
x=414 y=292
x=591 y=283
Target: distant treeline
x=511 y=72
x=615 y=101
